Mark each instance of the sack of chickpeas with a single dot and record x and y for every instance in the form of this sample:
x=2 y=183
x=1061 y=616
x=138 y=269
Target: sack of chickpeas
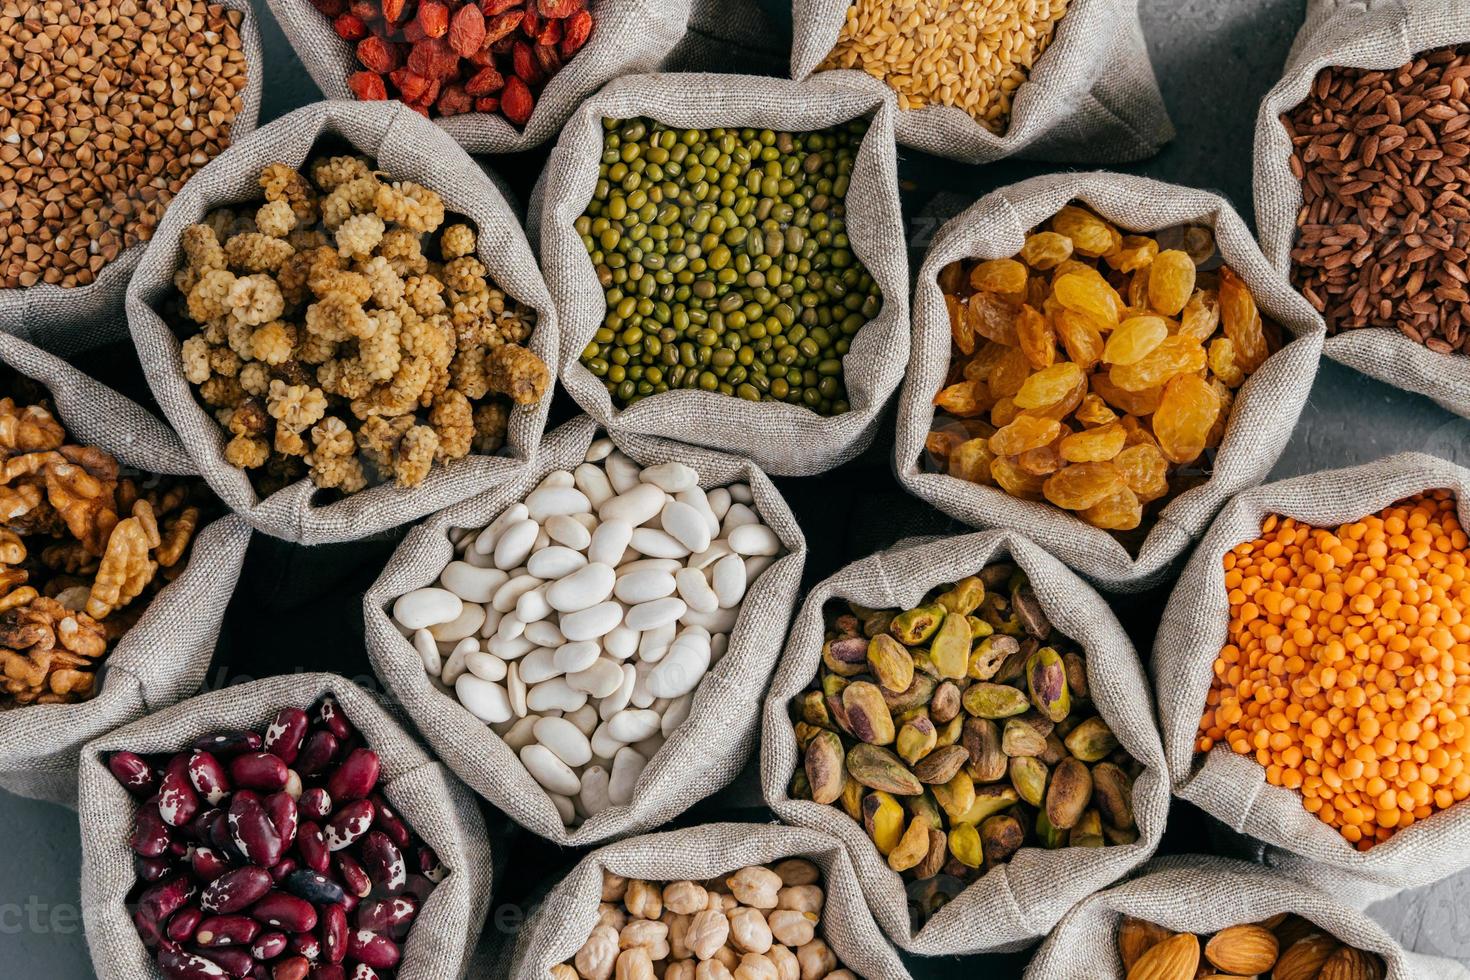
x=1223 y=916
x=983 y=783
x=97 y=489
x=1359 y=153
x=1306 y=662
x=579 y=650
x=761 y=307
x=1056 y=80
x=343 y=320
x=761 y=900
x=1102 y=360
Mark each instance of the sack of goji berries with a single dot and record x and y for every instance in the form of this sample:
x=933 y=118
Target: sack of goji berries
x=163 y=656
x=1265 y=407
x=1381 y=252
x=435 y=806
x=784 y=437
x=1011 y=903
x=293 y=503
x=1200 y=627
x=499 y=76
x=1083 y=87
x=1202 y=895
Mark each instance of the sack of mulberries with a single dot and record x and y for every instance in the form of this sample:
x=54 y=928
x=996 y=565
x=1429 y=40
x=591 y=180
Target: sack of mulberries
x=330 y=393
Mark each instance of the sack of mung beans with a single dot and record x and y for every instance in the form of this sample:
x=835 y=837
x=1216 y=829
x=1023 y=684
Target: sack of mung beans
x=1015 y=902
x=806 y=327
x=163 y=657
x=1203 y=895
x=1200 y=692
x=1265 y=407
x=1011 y=79
x=408 y=148
x=1378 y=108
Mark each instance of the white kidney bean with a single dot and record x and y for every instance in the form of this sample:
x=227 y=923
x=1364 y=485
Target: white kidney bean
x=510 y=593
x=633 y=725
x=593 y=482
x=592 y=623
x=544 y=633
x=604 y=746
x=754 y=539
x=492 y=623
x=582 y=589
x=532 y=606
x=675 y=714
x=670 y=477
x=699 y=500
x=655 y=642
x=458 y=660
x=628 y=765
x=573 y=657
x=609 y=542
x=686 y=525
x=568 y=532
x=650 y=615
x=562 y=500
x=555 y=562
x=565 y=740
x=556 y=478
x=484 y=699
x=428 y=651
x=598 y=680
x=643 y=585
x=479 y=663
x=471 y=617
x=622 y=472
x=599 y=449
x=539 y=665
x=716 y=550
x=554 y=694
x=594 y=798
x=422 y=608
x=659 y=544
x=694 y=589
x=553 y=774
x=684 y=667
x=486 y=540
x=636 y=505
x=728 y=580
x=619 y=699
x=719 y=621
x=509 y=649
x=470 y=583
x=515 y=543
x=621 y=643
x=511 y=626
x=585 y=718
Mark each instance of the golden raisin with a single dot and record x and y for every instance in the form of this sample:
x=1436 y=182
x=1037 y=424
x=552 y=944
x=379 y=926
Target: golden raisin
x=1003 y=412
x=1135 y=338
x=1090 y=235
x=1014 y=480
x=1036 y=338
x=1142 y=402
x=999 y=276
x=1049 y=386
x=1094 y=411
x=1023 y=433
x=959 y=325
x=1046 y=249
x=1145 y=470
x=964 y=400
x=1119 y=511
x=1176 y=355
x=1081 y=485
x=993 y=317
x=1083 y=341
x=1186 y=413
x=971 y=460
x=1201 y=316
x=1136 y=252
x=1094 y=445
x=1242 y=322
x=1088 y=296
x=1221 y=357
x=1009 y=373
x=1170 y=281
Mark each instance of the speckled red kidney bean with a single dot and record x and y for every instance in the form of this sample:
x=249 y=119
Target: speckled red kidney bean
x=227 y=930
x=311 y=846
x=133 y=772
x=383 y=862
x=286 y=733
x=329 y=713
x=207 y=864
x=306 y=944
x=178 y=964
x=328 y=971
x=295 y=968
x=429 y=865
x=227 y=744
x=363 y=972
x=235 y=890
x=177 y=801
x=387 y=820
x=334 y=933
x=348 y=824
x=268 y=945
x=316 y=804
x=281 y=808
x=284 y=868
x=355 y=777
x=150 y=837
x=235 y=962
x=252 y=831
x=208 y=777
x=285 y=911
x=152 y=869
x=181 y=924
x=354 y=879
x=374 y=949
x=157 y=903
x=419 y=887
x=317 y=753
x=258 y=771
x=390 y=916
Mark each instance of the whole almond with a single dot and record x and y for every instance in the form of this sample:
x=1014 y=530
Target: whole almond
x=1244 y=950
x=1176 y=958
x=1351 y=964
x=1136 y=937
x=1303 y=959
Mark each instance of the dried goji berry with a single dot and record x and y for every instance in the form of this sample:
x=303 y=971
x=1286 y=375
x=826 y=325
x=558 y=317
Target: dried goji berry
x=523 y=62
x=349 y=27
x=413 y=33
x=454 y=100
x=550 y=33
x=548 y=60
x=433 y=58
x=559 y=8
x=365 y=10
x=516 y=101
x=433 y=18
x=393 y=10
x=483 y=58
x=531 y=25
x=467 y=30
x=367 y=86
x=485 y=81
x=503 y=46
x=503 y=25
x=487 y=103
x=329 y=8
x=413 y=86
x=492 y=7
x=377 y=55
x=575 y=34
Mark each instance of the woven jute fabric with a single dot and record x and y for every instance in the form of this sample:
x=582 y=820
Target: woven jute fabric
x=1194 y=893
x=1233 y=788
x=785 y=440
x=1013 y=903
x=407 y=147
x=430 y=800
x=1265 y=410
x=629 y=36
x=166 y=654
x=565 y=919
x=1355 y=34
x=1091 y=98
x=737 y=35
x=68 y=321
x=701 y=756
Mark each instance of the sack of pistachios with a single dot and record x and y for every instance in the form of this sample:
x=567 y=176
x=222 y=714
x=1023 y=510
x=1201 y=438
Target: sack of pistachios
x=982 y=783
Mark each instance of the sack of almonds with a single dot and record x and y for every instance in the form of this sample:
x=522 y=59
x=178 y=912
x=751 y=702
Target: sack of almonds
x=116 y=572
x=779 y=331
x=1359 y=164
x=699 y=739
x=1037 y=775
x=426 y=797
x=1170 y=268
x=335 y=372
x=1350 y=774
x=753 y=897
x=1063 y=81
x=1250 y=916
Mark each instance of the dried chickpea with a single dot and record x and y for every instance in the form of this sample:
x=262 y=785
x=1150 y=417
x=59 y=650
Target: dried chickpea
x=801 y=898
x=712 y=970
x=634 y=964
x=797 y=871
x=792 y=928
x=685 y=897
x=756 y=887
x=816 y=960
x=749 y=931
x=652 y=936
x=598 y=955
x=754 y=966
x=643 y=900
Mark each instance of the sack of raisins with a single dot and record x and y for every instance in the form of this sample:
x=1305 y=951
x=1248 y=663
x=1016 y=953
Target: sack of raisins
x=1233 y=788
x=1202 y=895
x=435 y=805
x=406 y=148
x=163 y=656
x=1090 y=97
x=593 y=894
x=1009 y=905
x=1376 y=36
x=1265 y=406
x=784 y=439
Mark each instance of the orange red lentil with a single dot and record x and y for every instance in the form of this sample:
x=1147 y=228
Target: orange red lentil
x=1346 y=673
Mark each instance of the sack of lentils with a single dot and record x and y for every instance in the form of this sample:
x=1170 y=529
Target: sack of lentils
x=115 y=572
x=587 y=645
x=982 y=784
x=1063 y=80
x=1362 y=153
x=499 y=76
x=1062 y=331
x=307 y=777
x=81 y=190
x=343 y=320
x=1229 y=917
x=760 y=900
x=1308 y=661
x=712 y=284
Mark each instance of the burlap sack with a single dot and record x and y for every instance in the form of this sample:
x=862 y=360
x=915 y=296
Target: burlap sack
x=1355 y=34
x=702 y=755
x=438 y=808
x=1265 y=411
x=784 y=440
x=741 y=34
x=1233 y=788
x=1092 y=96
x=630 y=36
x=565 y=919
x=1192 y=893
x=66 y=321
x=1018 y=901
x=166 y=654
x=406 y=146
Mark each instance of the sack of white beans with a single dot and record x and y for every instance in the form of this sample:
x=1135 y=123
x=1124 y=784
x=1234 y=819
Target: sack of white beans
x=586 y=646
